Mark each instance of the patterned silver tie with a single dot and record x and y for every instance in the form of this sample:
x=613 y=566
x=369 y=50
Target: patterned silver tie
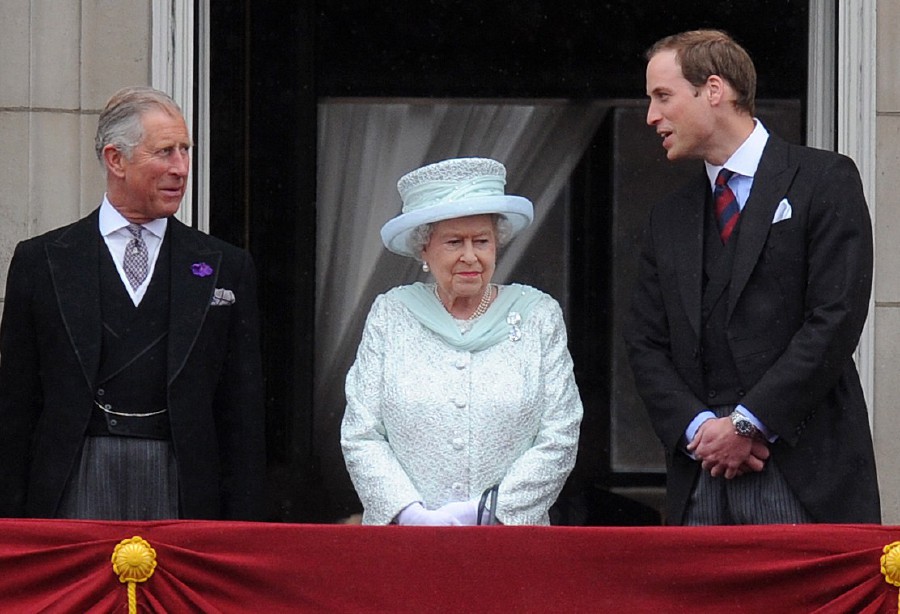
x=136 y=262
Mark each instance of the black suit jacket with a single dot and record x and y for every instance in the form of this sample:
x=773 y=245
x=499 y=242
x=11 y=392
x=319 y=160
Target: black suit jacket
x=797 y=302
x=50 y=354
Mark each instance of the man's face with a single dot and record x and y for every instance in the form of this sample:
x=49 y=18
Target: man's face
x=152 y=183
x=679 y=111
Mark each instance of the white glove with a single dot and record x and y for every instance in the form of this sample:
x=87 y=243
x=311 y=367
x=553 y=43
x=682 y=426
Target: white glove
x=465 y=512
x=415 y=514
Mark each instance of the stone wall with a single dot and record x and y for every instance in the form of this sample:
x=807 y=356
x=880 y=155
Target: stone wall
x=61 y=62
x=887 y=259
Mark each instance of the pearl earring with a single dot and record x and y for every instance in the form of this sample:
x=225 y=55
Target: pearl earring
x=425 y=267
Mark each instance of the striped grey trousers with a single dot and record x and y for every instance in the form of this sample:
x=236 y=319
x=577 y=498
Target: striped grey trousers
x=753 y=498
x=122 y=478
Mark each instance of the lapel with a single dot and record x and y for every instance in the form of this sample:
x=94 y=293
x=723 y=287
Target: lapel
x=718 y=262
x=686 y=221
x=773 y=178
x=189 y=294
x=74 y=262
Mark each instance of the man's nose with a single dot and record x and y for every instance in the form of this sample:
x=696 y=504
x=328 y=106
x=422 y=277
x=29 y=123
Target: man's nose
x=181 y=162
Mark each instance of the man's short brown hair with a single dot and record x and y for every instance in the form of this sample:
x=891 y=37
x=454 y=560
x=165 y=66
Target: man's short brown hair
x=702 y=53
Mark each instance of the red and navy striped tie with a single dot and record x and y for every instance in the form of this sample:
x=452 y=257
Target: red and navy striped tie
x=727 y=210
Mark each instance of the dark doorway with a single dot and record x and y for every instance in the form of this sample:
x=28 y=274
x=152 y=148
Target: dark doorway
x=271 y=67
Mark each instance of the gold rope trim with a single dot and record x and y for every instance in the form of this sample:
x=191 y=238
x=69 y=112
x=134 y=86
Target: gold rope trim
x=134 y=561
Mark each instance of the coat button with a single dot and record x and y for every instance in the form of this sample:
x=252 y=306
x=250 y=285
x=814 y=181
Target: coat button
x=711 y=394
x=458 y=443
x=113 y=422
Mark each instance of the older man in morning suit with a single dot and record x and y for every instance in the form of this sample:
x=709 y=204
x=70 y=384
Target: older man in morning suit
x=753 y=290
x=130 y=379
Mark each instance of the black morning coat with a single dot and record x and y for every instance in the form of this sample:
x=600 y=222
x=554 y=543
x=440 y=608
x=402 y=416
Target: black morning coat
x=797 y=302
x=50 y=353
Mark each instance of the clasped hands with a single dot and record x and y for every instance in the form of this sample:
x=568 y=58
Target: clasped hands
x=456 y=513
x=723 y=452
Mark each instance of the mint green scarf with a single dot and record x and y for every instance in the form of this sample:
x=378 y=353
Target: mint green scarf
x=488 y=330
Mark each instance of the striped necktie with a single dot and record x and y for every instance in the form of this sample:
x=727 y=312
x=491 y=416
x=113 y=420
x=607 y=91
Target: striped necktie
x=726 y=205
x=727 y=210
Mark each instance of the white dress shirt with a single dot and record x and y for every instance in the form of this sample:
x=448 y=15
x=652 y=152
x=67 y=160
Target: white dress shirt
x=743 y=162
x=114 y=229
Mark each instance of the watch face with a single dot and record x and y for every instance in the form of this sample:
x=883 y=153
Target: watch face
x=743 y=426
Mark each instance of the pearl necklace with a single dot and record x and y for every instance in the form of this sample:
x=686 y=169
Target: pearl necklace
x=482 y=306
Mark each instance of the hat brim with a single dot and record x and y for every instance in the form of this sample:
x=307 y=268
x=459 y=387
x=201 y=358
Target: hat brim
x=517 y=209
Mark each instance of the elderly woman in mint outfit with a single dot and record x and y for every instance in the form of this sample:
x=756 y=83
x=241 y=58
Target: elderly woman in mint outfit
x=460 y=385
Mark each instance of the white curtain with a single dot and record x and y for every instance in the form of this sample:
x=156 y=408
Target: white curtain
x=364 y=147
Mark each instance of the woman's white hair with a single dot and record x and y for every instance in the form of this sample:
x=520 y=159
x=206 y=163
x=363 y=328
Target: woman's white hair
x=419 y=236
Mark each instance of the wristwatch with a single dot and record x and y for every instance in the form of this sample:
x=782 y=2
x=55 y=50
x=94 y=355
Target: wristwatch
x=743 y=426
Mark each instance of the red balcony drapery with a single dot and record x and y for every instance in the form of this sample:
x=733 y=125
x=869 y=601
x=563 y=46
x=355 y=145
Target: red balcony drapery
x=65 y=566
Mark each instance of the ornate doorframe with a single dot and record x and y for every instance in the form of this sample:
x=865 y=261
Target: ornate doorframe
x=174 y=47
x=840 y=109
x=842 y=115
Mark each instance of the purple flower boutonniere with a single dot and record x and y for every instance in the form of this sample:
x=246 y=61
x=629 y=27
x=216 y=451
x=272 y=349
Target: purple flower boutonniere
x=201 y=269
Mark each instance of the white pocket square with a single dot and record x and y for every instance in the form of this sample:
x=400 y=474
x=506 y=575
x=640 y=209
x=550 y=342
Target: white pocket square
x=783 y=212
x=222 y=296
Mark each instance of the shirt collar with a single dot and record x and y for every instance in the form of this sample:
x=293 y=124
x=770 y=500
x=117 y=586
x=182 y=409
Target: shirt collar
x=745 y=159
x=111 y=221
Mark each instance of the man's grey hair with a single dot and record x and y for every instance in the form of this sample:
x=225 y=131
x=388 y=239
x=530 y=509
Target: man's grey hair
x=419 y=236
x=120 y=121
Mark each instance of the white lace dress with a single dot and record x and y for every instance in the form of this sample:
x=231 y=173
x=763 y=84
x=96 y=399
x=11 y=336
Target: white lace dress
x=428 y=422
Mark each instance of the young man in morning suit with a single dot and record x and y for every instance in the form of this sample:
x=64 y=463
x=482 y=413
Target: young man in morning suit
x=130 y=379
x=752 y=293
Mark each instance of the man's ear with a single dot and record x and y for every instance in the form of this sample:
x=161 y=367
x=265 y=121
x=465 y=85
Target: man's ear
x=715 y=90
x=114 y=159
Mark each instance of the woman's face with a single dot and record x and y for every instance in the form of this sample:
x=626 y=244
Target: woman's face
x=462 y=254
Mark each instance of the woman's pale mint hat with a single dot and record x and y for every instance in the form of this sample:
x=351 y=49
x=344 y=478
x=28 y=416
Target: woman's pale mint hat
x=449 y=189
